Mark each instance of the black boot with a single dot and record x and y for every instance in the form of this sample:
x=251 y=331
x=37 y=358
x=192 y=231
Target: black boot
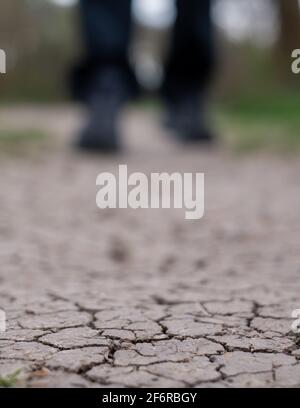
x=105 y=101
x=187 y=118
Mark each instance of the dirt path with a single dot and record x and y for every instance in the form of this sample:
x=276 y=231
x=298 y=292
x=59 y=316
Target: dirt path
x=146 y=298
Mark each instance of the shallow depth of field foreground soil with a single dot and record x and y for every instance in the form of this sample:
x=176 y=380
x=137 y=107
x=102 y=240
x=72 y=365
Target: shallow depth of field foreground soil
x=145 y=298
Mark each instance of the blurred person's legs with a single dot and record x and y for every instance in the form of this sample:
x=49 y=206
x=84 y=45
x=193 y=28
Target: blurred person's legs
x=104 y=81
x=189 y=70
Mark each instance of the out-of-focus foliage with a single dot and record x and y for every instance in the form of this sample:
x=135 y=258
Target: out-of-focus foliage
x=39 y=39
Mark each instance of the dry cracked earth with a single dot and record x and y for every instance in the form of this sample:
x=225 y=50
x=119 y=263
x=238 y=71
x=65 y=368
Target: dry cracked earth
x=145 y=298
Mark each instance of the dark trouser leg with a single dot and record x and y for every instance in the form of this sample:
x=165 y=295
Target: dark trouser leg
x=188 y=71
x=191 y=58
x=104 y=80
x=106 y=28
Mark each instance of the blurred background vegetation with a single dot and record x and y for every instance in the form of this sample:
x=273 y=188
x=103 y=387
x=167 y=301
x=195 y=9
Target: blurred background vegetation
x=255 y=92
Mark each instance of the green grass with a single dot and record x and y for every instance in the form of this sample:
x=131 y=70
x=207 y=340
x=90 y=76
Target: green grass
x=10 y=380
x=269 y=122
x=19 y=142
x=278 y=107
x=23 y=136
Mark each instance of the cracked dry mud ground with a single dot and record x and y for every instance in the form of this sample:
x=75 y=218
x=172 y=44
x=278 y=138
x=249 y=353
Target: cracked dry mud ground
x=145 y=298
